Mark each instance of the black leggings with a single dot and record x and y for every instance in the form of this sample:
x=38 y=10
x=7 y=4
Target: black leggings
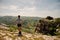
x=19 y=25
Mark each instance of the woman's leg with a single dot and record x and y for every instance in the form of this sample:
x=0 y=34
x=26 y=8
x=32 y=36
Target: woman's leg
x=19 y=29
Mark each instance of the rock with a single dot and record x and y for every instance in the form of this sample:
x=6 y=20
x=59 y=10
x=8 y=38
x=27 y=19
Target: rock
x=7 y=38
x=7 y=35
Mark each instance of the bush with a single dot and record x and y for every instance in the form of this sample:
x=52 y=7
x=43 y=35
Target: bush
x=12 y=28
x=57 y=20
x=49 y=18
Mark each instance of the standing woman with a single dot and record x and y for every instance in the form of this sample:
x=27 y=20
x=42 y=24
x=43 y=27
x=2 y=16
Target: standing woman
x=19 y=24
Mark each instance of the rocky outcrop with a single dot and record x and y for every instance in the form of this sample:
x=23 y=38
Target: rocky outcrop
x=7 y=35
x=46 y=26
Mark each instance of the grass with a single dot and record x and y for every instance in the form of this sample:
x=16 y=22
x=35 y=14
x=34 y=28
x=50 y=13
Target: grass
x=29 y=29
x=12 y=28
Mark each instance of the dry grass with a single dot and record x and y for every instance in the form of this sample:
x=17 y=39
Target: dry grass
x=5 y=35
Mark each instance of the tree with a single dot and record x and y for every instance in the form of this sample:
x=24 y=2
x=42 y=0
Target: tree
x=49 y=18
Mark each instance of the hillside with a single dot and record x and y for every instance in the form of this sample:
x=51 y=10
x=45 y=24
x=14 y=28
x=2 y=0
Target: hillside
x=11 y=19
x=7 y=35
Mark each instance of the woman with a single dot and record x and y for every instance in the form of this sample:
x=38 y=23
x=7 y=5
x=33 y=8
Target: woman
x=19 y=24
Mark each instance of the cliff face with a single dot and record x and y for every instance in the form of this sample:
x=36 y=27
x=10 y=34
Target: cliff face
x=7 y=35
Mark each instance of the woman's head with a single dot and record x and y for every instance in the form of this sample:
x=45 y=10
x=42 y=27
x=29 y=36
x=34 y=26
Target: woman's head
x=18 y=16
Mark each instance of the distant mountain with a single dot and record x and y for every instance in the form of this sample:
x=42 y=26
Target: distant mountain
x=11 y=19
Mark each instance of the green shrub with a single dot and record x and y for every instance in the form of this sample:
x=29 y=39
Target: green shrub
x=12 y=28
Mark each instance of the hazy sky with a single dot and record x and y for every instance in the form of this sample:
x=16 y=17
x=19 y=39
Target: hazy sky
x=40 y=8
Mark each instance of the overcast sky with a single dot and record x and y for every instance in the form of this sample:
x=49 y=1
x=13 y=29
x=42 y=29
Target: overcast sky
x=40 y=8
